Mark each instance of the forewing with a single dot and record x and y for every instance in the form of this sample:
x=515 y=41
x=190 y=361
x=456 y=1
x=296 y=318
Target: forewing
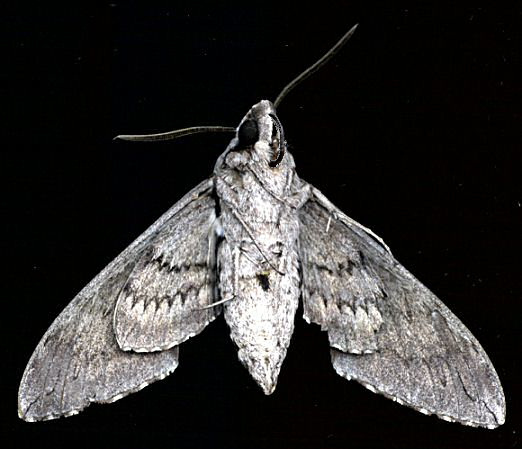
x=78 y=360
x=165 y=300
x=386 y=329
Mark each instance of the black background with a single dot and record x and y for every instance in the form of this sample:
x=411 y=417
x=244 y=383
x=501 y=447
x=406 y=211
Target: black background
x=413 y=129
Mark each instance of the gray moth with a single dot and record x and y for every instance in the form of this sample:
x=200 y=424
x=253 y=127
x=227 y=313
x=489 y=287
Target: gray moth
x=248 y=243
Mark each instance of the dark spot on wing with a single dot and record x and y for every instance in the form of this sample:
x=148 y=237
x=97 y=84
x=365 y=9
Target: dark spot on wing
x=264 y=281
x=363 y=258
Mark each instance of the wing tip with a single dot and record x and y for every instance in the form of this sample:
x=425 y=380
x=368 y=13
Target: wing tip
x=25 y=415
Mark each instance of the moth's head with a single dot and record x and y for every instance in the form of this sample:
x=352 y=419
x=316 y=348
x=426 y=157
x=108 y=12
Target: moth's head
x=259 y=137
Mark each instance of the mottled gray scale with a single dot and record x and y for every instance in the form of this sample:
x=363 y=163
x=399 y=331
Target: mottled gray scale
x=261 y=314
x=422 y=355
x=78 y=360
x=385 y=329
x=340 y=292
x=164 y=300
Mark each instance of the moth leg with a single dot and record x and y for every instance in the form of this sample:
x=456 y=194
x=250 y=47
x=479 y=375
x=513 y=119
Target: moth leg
x=231 y=206
x=254 y=241
x=245 y=254
x=268 y=189
x=300 y=191
x=228 y=184
x=295 y=200
x=236 y=283
x=218 y=303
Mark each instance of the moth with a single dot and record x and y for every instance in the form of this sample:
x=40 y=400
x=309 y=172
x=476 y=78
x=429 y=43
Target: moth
x=248 y=243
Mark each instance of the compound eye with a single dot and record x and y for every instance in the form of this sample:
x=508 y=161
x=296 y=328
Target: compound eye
x=278 y=142
x=248 y=133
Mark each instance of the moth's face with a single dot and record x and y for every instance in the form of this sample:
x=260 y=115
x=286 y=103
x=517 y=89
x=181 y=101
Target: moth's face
x=259 y=138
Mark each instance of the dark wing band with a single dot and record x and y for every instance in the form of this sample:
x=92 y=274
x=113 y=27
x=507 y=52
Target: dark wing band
x=387 y=330
x=78 y=360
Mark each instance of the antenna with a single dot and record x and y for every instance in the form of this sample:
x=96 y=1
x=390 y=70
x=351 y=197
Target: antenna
x=171 y=135
x=315 y=67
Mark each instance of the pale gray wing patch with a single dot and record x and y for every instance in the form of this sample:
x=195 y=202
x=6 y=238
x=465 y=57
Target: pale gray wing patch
x=78 y=360
x=416 y=351
x=340 y=290
x=165 y=300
